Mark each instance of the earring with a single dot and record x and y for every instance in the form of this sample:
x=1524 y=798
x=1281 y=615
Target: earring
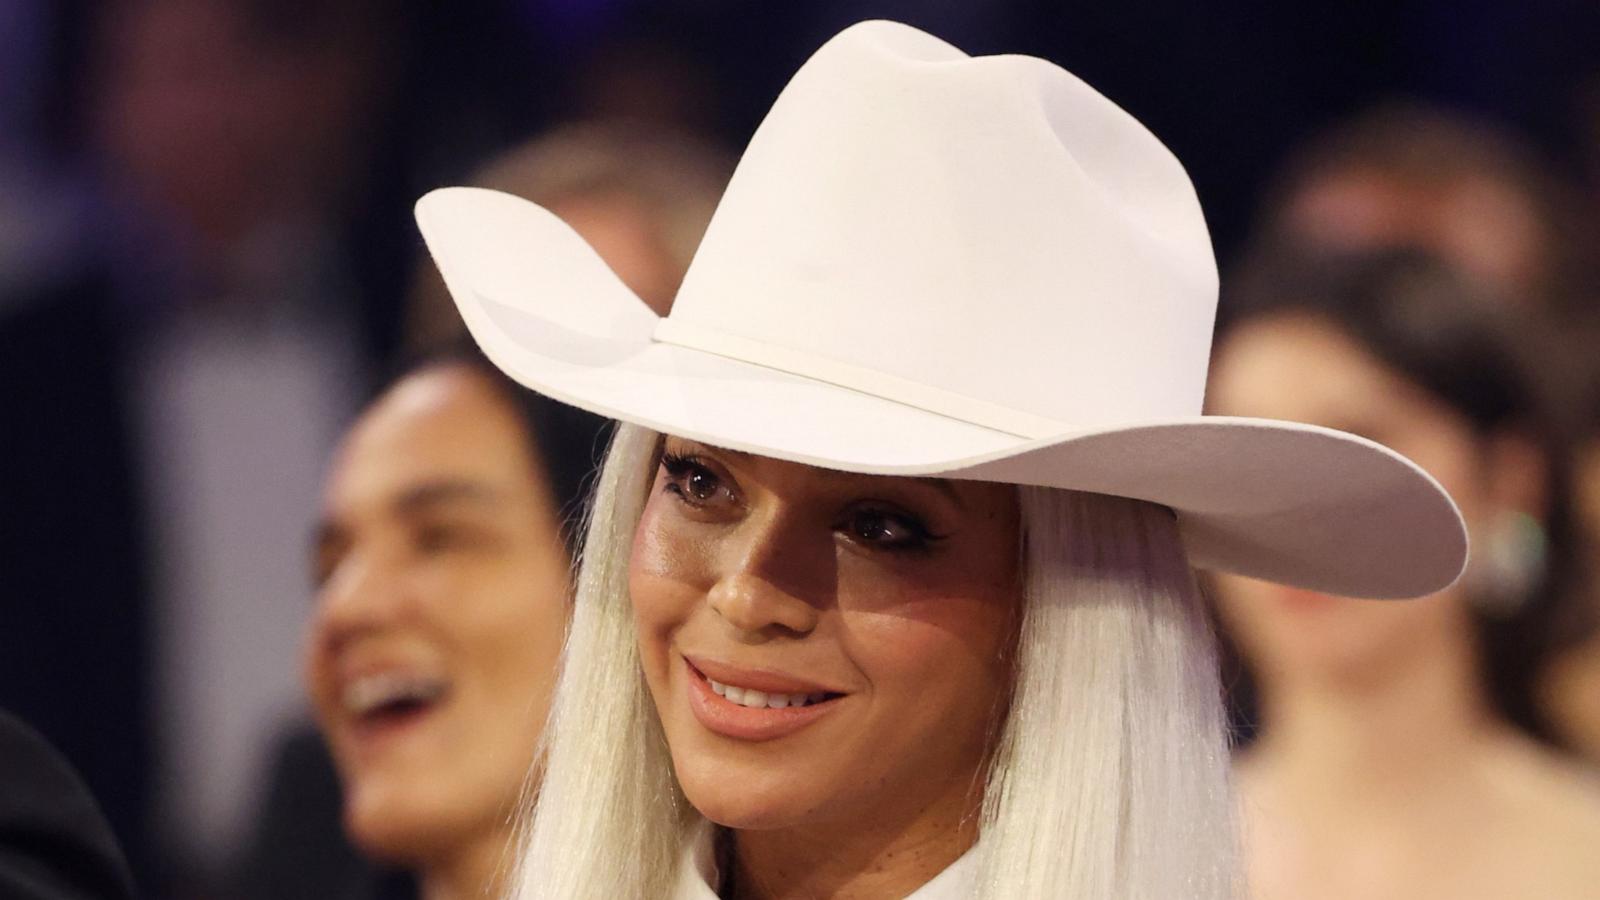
x=1509 y=565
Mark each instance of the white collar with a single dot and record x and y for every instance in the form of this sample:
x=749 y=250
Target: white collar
x=697 y=872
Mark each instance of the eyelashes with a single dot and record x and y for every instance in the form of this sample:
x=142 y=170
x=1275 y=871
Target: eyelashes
x=876 y=525
x=888 y=528
x=691 y=479
x=678 y=464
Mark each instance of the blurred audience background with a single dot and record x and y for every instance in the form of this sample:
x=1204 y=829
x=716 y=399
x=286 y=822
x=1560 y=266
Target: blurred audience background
x=207 y=262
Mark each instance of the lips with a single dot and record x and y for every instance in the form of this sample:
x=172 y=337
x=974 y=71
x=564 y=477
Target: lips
x=379 y=705
x=387 y=691
x=754 y=705
x=764 y=680
x=1303 y=601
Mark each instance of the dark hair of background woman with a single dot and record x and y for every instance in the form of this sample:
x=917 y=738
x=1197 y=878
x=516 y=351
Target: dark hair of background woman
x=1435 y=328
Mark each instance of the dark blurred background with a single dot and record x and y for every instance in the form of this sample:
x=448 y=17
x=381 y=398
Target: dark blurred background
x=206 y=250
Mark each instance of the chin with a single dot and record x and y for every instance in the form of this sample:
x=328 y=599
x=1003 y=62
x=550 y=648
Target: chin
x=743 y=814
x=389 y=823
x=729 y=798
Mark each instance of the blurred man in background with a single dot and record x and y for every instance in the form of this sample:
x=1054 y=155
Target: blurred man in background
x=180 y=384
x=1405 y=175
x=640 y=194
x=234 y=134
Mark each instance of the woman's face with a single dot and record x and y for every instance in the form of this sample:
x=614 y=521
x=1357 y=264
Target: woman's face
x=441 y=609
x=1298 y=367
x=824 y=648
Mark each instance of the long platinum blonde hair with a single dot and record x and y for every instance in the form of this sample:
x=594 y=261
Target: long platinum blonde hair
x=1109 y=779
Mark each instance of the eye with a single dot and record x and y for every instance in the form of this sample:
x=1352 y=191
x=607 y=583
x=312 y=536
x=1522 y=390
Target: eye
x=432 y=538
x=692 y=480
x=887 y=529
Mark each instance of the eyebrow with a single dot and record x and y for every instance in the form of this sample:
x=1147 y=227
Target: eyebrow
x=443 y=491
x=418 y=498
x=942 y=485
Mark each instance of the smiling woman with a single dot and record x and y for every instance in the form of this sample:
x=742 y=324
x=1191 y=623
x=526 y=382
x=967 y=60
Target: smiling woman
x=1053 y=693
x=885 y=605
x=441 y=606
x=888 y=589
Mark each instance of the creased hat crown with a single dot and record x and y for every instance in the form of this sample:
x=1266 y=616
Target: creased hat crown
x=929 y=264
x=989 y=233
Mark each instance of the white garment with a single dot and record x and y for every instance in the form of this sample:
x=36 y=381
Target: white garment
x=236 y=422
x=697 y=872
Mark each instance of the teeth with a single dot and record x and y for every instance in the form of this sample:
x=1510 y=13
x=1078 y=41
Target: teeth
x=760 y=699
x=363 y=695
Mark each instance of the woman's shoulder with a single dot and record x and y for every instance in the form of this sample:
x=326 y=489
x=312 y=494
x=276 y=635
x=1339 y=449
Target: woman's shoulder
x=1540 y=781
x=1549 y=807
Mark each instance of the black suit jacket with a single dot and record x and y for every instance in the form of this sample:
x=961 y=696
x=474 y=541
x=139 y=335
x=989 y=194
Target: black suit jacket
x=54 y=844
x=299 y=848
x=74 y=616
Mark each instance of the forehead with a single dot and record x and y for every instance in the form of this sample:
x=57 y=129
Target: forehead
x=441 y=423
x=1299 y=365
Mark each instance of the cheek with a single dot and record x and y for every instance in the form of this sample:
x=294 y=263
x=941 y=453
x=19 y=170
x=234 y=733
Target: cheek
x=668 y=548
x=1286 y=630
x=498 y=625
x=930 y=679
x=668 y=575
x=966 y=604
x=1281 y=629
x=1245 y=609
x=1448 y=455
x=934 y=655
x=317 y=672
x=517 y=637
x=486 y=610
x=930 y=634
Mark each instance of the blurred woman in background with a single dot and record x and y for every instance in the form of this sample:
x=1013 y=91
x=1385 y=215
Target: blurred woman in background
x=1399 y=752
x=442 y=563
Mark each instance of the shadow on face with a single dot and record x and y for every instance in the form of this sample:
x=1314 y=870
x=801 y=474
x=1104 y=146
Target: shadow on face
x=441 y=607
x=823 y=647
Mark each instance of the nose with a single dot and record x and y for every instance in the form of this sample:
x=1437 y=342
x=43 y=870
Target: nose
x=777 y=581
x=363 y=595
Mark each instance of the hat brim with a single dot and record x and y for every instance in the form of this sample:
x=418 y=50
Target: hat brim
x=1293 y=503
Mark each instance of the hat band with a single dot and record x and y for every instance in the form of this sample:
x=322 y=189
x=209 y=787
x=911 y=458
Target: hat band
x=856 y=378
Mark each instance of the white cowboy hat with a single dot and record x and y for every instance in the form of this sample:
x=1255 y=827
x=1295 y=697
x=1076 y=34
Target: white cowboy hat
x=972 y=267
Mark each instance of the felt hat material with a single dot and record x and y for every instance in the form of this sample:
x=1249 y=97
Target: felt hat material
x=971 y=267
